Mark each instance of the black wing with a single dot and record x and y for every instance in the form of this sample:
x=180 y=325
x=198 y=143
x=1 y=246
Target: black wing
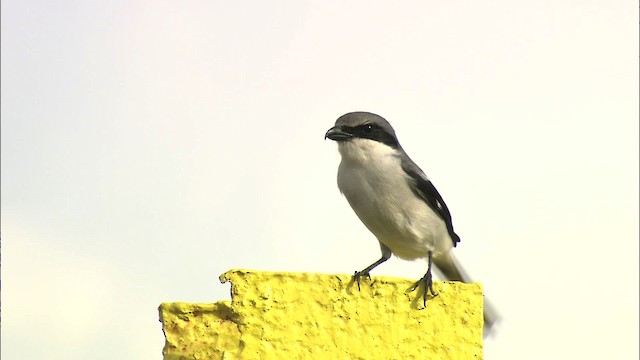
x=425 y=189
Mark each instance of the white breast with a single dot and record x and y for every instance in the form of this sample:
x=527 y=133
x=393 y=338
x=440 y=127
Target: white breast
x=371 y=178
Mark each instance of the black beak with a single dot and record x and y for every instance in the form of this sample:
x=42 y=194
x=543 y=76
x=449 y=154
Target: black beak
x=337 y=134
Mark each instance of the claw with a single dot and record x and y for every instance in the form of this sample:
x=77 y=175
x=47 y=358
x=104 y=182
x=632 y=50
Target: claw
x=386 y=253
x=428 y=287
x=427 y=279
x=358 y=274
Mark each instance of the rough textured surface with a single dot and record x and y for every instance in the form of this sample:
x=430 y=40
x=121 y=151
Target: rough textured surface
x=317 y=316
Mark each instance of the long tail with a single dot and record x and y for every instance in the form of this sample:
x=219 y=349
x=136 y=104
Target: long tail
x=451 y=269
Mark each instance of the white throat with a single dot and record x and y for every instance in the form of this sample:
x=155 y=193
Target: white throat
x=365 y=151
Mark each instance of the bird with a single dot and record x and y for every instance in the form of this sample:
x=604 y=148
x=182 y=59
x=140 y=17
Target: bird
x=396 y=201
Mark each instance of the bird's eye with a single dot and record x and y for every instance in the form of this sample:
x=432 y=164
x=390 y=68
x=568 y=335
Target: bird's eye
x=367 y=129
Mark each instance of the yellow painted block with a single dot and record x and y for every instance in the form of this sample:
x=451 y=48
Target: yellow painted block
x=275 y=315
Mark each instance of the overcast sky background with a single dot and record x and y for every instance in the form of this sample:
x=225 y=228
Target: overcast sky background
x=149 y=146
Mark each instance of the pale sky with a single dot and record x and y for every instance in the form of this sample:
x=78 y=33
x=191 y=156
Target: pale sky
x=149 y=146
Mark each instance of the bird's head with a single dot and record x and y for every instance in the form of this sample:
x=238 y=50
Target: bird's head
x=363 y=125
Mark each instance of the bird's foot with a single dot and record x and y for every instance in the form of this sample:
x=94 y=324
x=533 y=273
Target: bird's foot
x=427 y=280
x=359 y=274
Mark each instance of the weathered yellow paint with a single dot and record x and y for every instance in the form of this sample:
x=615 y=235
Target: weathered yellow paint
x=317 y=316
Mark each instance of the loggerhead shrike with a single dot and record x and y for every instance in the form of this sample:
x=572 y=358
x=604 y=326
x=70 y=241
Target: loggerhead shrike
x=395 y=200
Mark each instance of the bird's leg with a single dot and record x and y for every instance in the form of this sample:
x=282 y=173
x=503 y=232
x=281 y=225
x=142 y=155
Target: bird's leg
x=428 y=283
x=365 y=273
